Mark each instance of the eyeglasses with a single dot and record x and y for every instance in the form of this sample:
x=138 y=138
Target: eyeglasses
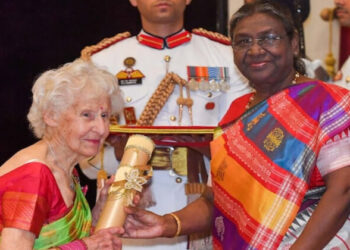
x=265 y=41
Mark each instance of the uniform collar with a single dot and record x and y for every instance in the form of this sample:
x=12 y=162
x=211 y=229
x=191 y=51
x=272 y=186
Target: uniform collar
x=171 y=41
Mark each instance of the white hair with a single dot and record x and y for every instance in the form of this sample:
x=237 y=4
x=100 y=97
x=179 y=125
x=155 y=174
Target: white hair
x=55 y=90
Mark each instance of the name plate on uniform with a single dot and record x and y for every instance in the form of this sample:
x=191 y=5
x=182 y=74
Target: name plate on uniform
x=129 y=76
x=126 y=82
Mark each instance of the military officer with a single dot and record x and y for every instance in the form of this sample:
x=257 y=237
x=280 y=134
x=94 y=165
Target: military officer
x=200 y=66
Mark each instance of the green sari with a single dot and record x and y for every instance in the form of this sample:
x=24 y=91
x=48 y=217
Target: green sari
x=74 y=225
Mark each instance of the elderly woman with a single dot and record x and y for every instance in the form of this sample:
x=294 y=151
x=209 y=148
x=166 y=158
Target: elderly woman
x=280 y=162
x=42 y=204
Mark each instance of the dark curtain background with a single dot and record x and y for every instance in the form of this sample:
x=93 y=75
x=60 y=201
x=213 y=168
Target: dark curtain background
x=344 y=51
x=43 y=34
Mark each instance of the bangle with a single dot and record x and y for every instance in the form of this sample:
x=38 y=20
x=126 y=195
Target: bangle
x=178 y=224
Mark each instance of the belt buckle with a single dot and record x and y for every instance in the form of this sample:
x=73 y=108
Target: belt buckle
x=179 y=161
x=168 y=157
x=161 y=158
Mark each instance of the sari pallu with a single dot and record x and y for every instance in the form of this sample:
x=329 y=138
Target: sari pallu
x=76 y=224
x=262 y=162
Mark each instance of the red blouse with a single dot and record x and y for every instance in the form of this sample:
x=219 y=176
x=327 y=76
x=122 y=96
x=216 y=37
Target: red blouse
x=30 y=198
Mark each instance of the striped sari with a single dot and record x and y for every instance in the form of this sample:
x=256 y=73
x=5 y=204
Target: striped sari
x=263 y=161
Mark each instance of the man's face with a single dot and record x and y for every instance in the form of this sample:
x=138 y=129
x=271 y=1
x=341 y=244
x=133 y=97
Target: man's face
x=161 y=11
x=343 y=11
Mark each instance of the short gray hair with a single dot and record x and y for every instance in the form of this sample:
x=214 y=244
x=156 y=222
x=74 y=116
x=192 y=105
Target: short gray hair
x=55 y=90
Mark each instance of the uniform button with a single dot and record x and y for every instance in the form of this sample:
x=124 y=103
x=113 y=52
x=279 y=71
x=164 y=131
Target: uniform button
x=167 y=58
x=210 y=105
x=178 y=179
x=210 y=94
x=173 y=118
x=128 y=99
x=347 y=79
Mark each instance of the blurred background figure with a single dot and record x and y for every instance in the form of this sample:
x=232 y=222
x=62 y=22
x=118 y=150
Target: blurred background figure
x=342 y=12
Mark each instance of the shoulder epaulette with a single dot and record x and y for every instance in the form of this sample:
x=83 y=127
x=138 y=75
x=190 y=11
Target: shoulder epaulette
x=215 y=36
x=88 y=51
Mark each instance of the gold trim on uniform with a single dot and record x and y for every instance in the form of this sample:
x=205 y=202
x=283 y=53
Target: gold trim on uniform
x=160 y=130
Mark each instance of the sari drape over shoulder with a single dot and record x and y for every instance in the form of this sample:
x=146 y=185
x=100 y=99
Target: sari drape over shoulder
x=31 y=200
x=264 y=160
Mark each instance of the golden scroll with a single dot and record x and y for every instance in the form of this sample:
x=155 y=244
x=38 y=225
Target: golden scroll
x=132 y=173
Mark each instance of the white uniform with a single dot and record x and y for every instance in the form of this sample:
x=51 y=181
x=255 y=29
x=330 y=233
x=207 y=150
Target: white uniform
x=345 y=70
x=311 y=66
x=198 y=51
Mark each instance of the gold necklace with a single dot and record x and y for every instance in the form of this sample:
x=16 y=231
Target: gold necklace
x=251 y=99
x=296 y=76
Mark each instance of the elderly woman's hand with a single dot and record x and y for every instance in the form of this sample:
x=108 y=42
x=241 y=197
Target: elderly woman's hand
x=96 y=211
x=104 y=191
x=105 y=239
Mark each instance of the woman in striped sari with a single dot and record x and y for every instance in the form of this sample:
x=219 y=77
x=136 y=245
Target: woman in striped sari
x=280 y=166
